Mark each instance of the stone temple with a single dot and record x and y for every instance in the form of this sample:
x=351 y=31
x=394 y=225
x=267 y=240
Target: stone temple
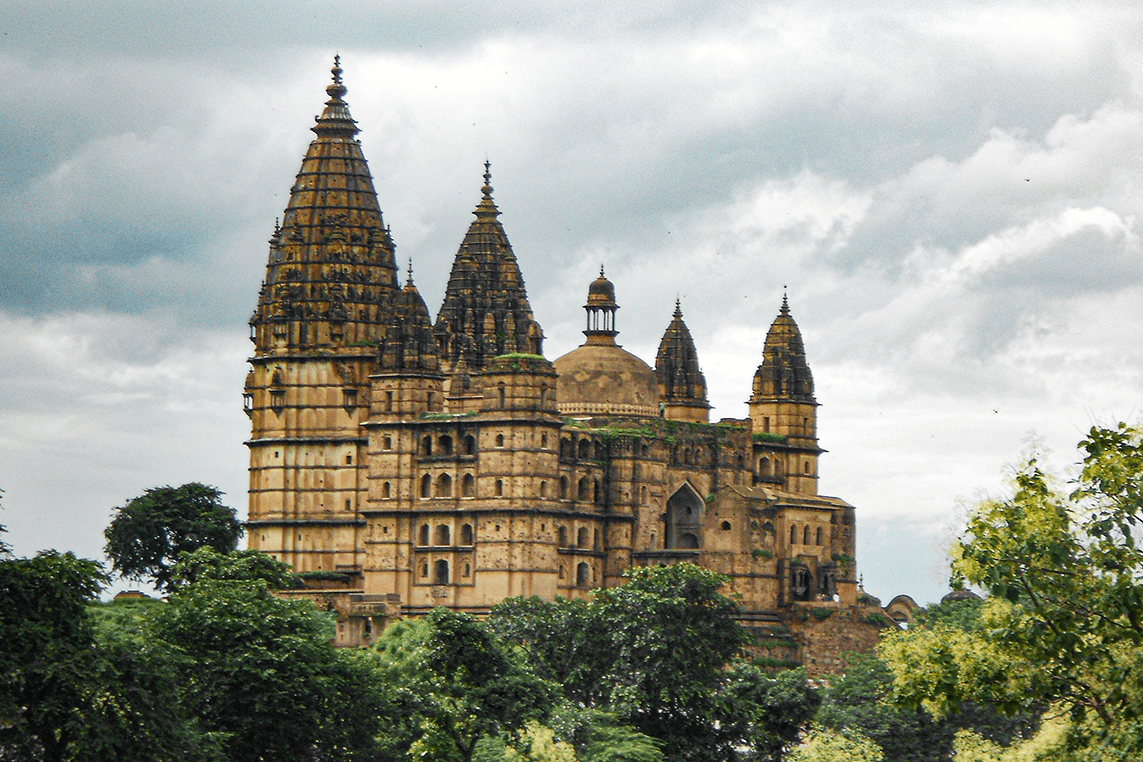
x=399 y=462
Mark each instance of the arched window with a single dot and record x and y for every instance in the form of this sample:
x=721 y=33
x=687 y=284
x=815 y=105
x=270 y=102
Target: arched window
x=643 y=495
x=596 y=492
x=584 y=451
x=499 y=488
x=566 y=448
x=600 y=451
x=427 y=445
x=563 y=537
x=582 y=575
x=388 y=402
x=595 y=542
x=544 y=440
x=543 y=489
x=563 y=488
x=470 y=445
x=584 y=490
x=688 y=541
x=445 y=445
x=440 y=572
x=793 y=534
x=468 y=485
x=426 y=485
x=562 y=572
x=425 y=569
x=581 y=538
x=444 y=486
x=499 y=440
x=764 y=467
x=806 y=535
x=683 y=516
x=388 y=443
x=819 y=540
x=467 y=569
x=726 y=526
x=443 y=535
x=424 y=537
x=466 y=534
x=500 y=394
x=386 y=490
x=806 y=467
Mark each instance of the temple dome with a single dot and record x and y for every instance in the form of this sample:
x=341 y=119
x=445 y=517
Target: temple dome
x=601 y=377
x=605 y=379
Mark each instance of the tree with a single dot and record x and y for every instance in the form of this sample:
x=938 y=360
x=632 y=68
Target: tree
x=147 y=535
x=1063 y=625
x=206 y=563
x=828 y=746
x=46 y=653
x=259 y=671
x=653 y=651
x=461 y=683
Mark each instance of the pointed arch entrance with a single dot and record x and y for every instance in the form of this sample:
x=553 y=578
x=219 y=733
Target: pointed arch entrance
x=684 y=519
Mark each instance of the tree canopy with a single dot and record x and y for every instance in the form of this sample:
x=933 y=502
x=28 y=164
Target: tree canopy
x=146 y=536
x=1063 y=624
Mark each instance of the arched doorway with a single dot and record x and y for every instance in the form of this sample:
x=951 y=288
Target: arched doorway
x=684 y=519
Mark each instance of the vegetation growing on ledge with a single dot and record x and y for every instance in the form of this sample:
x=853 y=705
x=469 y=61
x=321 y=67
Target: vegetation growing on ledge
x=765 y=436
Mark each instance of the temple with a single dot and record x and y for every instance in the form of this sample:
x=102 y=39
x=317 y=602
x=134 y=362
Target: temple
x=400 y=463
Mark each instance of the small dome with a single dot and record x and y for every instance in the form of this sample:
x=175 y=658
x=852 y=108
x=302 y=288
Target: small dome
x=601 y=291
x=605 y=379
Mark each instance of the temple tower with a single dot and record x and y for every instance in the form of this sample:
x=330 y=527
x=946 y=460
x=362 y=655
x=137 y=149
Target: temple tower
x=485 y=312
x=783 y=409
x=330 y=282
x=682 y=386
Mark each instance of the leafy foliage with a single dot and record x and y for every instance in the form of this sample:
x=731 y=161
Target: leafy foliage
x=1064 y=621
x=147 y=535
x=460 y=683
x=659 y=653
x=260 y=671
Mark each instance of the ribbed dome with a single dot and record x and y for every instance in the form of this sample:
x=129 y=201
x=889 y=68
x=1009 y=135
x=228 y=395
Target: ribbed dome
x=601 y=291
x=600 y=377
x=605 y=379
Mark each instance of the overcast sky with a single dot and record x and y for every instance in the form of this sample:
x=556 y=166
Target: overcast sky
x=951 y=193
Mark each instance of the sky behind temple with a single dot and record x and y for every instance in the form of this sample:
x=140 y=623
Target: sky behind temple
x=950 y=194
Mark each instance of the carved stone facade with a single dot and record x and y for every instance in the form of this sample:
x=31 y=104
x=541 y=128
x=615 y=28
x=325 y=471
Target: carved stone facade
x=402 y=464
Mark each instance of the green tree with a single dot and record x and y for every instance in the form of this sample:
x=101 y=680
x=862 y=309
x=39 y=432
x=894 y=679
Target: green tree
x=206 y=563
x=259 y=672
x=46 y=653
x=653 y=651
x=828 y=746
x=460 y=683
x=147 y=534
x=768 y=713
x=1064 y=622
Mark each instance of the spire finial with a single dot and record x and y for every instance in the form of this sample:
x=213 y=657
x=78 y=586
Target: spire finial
x=678 y=308
x=785 y=302
x=601 y=270
x=337 y=88
x=487 y=207
x=409 y=278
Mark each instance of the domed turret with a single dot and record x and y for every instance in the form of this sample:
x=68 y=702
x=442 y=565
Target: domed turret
x=600 y=377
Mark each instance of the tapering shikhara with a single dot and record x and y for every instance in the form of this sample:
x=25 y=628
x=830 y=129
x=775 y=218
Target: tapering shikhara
x=451 y=464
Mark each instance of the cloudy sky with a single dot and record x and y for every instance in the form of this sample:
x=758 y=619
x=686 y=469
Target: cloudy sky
x=951 y=195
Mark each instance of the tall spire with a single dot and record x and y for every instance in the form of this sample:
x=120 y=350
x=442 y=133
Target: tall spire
x=682 y=386
x=331 y=272
x=784 y=373
x=485 y=311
